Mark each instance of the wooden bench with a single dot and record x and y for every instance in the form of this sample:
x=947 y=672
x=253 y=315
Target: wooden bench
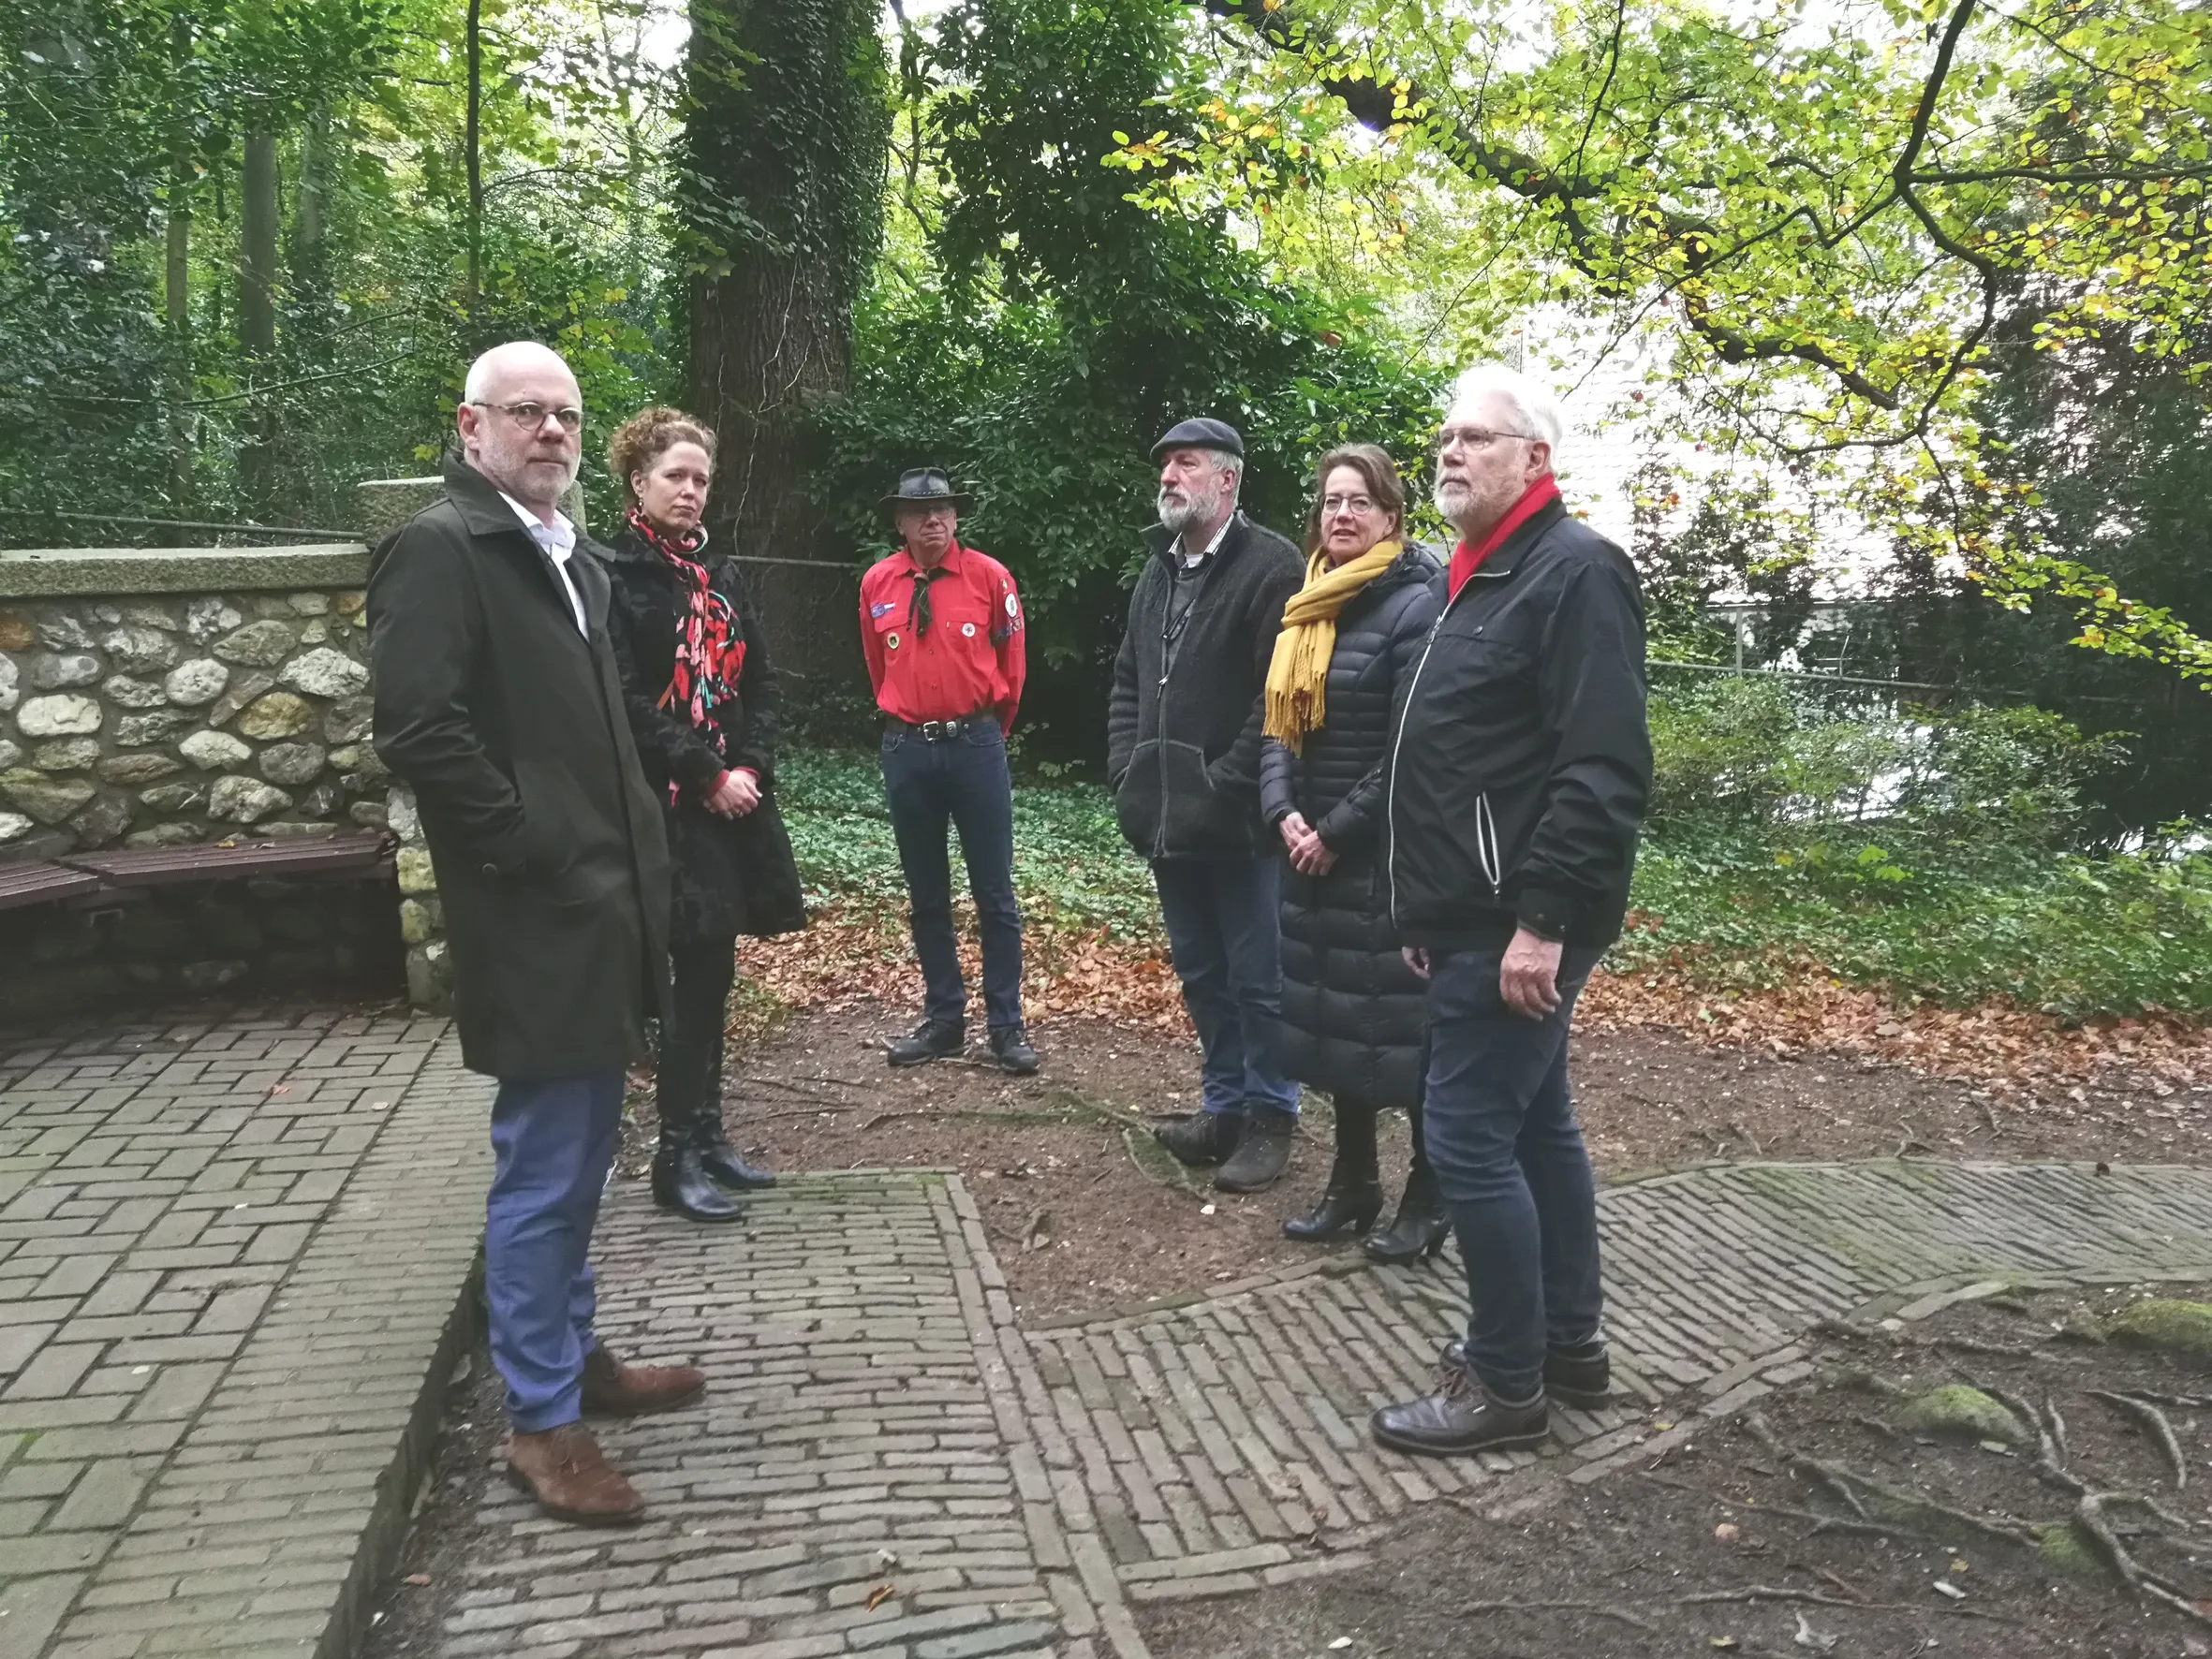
x=78 y=875
x=40 y=881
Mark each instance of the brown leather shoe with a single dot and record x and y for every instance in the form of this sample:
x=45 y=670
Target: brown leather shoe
x=565 y=1470
x=614 y=1389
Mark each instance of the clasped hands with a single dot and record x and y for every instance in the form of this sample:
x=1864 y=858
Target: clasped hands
x=1309 y=855
x=734 y=794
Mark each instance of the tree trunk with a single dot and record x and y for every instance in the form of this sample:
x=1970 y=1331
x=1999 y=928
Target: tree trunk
x=256 y=315
x=785 y=146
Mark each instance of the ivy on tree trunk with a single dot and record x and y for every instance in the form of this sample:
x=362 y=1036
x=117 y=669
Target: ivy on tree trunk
x=787 y=130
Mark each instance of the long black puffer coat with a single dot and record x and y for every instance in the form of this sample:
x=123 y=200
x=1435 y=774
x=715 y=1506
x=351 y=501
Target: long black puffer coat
x=1353 y=1013
x=733 y=876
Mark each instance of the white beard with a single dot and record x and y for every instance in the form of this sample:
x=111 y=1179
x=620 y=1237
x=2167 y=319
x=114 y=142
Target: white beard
x=1194 y=509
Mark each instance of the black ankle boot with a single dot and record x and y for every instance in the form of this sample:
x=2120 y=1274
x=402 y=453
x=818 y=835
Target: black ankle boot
x=681 y=1184
x=725 y=1166
x=1421 y=1226
x=1353 y=1197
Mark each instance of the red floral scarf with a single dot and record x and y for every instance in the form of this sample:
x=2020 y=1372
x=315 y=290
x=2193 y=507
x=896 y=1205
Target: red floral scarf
x=710 y=649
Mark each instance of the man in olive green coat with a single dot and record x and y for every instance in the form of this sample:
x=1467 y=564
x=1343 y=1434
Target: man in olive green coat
x=498 y=701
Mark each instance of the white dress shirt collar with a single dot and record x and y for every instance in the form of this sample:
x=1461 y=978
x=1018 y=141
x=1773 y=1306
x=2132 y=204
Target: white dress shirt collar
x=558 y=540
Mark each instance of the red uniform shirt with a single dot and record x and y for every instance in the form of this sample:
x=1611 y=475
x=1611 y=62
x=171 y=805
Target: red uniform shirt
x=970 y=659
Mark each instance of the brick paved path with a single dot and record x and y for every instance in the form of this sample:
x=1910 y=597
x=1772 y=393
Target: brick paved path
x=230 y=1251
x=233 y=1255
x=887 y=1466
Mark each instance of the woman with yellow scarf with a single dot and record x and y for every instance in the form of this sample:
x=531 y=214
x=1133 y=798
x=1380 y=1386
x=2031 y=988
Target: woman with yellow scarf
x=1353 y=1013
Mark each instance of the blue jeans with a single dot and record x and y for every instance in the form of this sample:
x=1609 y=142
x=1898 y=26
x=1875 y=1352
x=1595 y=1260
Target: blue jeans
x=963 y=781
x=1509 y=1156
x=1225 y=930
x=553 y=1144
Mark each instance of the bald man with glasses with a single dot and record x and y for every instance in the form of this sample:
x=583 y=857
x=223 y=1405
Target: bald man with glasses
x=498 y=701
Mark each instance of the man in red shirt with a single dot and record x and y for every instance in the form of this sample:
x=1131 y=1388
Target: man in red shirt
x=941 y=627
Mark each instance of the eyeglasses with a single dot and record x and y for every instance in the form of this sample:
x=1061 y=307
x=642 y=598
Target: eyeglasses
x=1359 y=506
x=1478 y=438
x=530 y=417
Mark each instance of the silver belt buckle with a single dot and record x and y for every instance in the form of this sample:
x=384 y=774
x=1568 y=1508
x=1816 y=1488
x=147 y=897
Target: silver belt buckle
x=932 y=730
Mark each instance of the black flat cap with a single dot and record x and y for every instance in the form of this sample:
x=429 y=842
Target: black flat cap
x=925 y=485
x=1201 y=434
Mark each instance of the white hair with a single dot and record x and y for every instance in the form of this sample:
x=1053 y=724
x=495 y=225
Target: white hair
x=1225 y=462
x=485 y=373
x=1535 y=410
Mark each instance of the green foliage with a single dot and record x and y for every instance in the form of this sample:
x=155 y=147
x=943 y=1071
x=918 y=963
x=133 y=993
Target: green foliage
x=1936 y=854
x=1814 y=227
x=1039 y=331
x=1070 y=863
x=1969 y=894
x=121 y=126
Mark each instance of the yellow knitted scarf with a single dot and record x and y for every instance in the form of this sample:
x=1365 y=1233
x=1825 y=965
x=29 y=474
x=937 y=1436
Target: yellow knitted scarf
x=1298 y=677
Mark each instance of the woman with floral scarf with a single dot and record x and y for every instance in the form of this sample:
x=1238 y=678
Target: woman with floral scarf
x=703 y=706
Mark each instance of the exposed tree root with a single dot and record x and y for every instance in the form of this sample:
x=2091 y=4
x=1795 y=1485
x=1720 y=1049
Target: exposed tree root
x=1850 y=1330
x=1603 y=1610
x=2152 y=1418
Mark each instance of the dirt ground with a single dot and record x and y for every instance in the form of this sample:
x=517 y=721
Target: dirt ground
x=1085 y=1214
x=1713 y=1546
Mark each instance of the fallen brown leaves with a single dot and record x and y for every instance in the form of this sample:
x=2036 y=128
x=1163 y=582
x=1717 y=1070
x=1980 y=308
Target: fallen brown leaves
x=853 y=954
x=2010 y=1049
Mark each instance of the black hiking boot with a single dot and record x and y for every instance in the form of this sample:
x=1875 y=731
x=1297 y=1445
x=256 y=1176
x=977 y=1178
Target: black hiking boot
x=1201 y=1139
x=1579 y=1376
x=1263 y=1152
x=933 y=1039
x=1015 y=1056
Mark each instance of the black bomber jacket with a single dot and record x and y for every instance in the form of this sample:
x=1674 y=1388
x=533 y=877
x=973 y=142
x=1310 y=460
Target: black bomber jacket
x=1521 y=767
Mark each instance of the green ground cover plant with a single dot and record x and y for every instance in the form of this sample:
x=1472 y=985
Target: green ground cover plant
x=1942 y=856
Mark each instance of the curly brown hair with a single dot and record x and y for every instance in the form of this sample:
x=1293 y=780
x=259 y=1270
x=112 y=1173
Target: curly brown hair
x=647 y=437
x=1381 y=474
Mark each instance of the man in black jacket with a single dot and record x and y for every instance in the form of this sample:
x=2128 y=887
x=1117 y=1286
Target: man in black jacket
x=1516 y=787
x=1183 y=753
x=497 y=699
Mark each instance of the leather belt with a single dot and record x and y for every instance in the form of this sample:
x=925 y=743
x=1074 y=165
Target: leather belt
x=934 y=731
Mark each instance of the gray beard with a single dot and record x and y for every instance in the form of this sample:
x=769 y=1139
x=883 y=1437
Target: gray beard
x=1195 y=509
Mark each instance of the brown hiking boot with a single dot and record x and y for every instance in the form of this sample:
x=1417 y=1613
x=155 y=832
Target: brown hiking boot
x=614 y=1389
x=565 y=1470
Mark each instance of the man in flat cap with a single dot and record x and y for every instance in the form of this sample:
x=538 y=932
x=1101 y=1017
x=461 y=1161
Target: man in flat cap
x=1183 y=753
x=941 y=627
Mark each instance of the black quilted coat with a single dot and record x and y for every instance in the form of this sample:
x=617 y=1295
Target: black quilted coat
x=733 y=876
x=1352 y=1011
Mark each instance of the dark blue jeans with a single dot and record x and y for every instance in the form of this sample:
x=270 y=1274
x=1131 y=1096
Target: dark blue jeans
x=1510 y=1158
x=551 y=1144
x=1224 y=931
x=962 y=781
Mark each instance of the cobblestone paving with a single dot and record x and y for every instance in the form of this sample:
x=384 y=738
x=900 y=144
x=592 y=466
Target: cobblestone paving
x=230 y=1251
x=233 y=1254
x=1221 y=1446
x=849 y=1484
x=888 y=1466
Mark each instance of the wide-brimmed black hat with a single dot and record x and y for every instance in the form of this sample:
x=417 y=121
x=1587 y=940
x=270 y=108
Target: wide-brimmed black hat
x=925 y=485
x=1201 y=434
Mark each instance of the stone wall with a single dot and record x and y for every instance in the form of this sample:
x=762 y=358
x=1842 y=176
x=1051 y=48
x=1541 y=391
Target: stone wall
x=165 y=697
x=161 y=720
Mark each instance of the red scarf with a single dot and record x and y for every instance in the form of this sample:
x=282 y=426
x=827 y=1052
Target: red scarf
x=710 y=649
x=1466 y=560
